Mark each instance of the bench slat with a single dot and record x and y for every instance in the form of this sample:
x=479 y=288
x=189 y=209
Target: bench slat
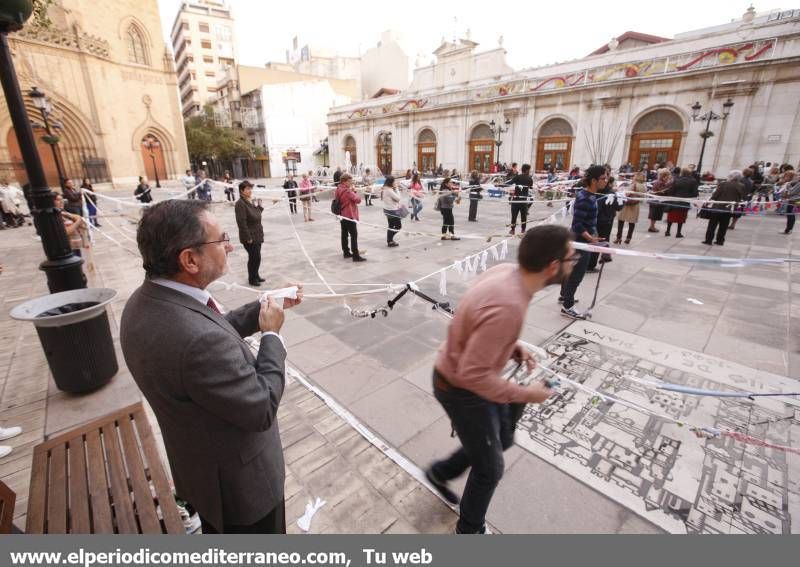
x=120 y=495
x=37 y=493
x=98 y=485
x=166 y=501
x=57 y=491
x=142 y=496
x=80 y=482
x=78 y=493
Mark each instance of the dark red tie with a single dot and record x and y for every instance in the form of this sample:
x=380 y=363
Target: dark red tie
x=213 y=306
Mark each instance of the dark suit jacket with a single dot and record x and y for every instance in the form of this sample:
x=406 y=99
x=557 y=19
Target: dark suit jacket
x=215 y=402
x=248 y=219
x=727 y=191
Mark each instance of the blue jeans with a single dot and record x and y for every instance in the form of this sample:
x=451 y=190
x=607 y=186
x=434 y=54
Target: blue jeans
x=416 y=208
x=486 y=430
x=569 y=287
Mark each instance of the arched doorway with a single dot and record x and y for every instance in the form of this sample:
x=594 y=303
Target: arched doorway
x=656 y=138
x=45 y=154
x=426 y=150
x=384 y=152
x=481 y=148
x=554 y=145
x=350 y=151
x=75 y=147
x=153 y=158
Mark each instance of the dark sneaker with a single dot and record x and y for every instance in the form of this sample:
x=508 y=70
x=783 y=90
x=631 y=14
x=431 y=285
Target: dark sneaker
x=393 y=244
x=359 y=259
x=441 y=488
x=484 y=531
x=347 y=255
x=561 y=300
x=572 y=314
x=454 y=237
x=706 y=242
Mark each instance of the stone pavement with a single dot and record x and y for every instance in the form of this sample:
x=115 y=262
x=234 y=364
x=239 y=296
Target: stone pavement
x=379 y=369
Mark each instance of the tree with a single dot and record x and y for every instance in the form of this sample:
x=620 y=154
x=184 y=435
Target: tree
x=208 y=142
x=40 y=17
x=602 y=143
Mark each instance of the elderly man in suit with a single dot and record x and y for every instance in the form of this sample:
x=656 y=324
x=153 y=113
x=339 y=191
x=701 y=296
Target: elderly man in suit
x=215 y=402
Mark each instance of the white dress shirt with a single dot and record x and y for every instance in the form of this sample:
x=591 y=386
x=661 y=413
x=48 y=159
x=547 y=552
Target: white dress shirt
x=202 y=296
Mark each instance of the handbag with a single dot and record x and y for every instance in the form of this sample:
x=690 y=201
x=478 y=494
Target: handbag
x=402 y=212
x=704 y=212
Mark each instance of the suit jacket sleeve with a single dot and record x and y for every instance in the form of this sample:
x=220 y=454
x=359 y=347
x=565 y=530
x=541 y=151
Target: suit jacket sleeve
x=218 y=378
x=245 y=318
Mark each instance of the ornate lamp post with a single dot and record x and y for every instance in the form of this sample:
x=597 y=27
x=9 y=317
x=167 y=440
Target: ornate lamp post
x=498 y=131
x=43 y=105
x=151 y=145
x=707 y=118
x=62 y=267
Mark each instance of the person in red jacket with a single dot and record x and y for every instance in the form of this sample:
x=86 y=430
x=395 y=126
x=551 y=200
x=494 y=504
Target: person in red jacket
x=348 y=203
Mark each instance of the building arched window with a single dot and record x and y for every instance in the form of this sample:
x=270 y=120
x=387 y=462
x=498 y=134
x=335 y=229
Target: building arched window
x=136 y=46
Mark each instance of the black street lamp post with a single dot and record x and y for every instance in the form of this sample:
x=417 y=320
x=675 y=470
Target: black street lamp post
x=62 y=267
x=43 y=105
x=151 y=146
x=707 y=118
x=498 y=131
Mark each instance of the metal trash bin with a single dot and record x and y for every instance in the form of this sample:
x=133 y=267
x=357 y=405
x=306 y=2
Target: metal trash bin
x=75 y=335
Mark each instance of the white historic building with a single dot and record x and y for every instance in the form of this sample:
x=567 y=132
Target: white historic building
x=628 y=101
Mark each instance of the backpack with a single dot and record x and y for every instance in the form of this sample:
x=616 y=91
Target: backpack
x=336 y=207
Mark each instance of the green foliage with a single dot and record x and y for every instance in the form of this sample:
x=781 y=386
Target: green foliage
x=205 y=140
x=40 y=17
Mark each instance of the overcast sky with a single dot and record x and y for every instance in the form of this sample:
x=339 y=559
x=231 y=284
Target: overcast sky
x=535 y=33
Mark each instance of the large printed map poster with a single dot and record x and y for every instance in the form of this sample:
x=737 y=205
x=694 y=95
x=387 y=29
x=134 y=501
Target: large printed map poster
x=659 y=469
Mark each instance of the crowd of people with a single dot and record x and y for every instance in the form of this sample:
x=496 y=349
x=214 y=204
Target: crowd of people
x=216 y=402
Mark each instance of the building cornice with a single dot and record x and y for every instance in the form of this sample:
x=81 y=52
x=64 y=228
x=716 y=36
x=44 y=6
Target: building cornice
x=64 y=39
x=719 y=91
x=713 y=59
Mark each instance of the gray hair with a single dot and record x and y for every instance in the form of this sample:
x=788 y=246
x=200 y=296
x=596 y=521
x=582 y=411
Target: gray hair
x=735 y=175
x=166 y=229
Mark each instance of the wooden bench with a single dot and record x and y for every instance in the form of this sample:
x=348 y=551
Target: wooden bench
x=103 y=477
x=7 y=501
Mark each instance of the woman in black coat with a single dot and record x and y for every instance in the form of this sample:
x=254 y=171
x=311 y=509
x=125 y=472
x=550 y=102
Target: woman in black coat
x=251 y=232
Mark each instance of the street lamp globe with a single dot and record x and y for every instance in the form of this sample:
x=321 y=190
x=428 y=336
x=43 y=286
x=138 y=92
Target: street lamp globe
x=39 y=99
x=14 y=13
x=726 y=108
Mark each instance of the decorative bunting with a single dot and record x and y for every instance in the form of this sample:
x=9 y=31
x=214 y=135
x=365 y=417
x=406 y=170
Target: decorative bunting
x=443 y=282
x=484 y=258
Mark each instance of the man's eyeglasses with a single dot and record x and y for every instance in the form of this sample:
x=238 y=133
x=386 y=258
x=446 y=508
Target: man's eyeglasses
x=226 y=239
x=575 y=258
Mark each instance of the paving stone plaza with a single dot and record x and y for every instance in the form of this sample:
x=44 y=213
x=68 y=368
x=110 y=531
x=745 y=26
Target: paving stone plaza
x=739 y=325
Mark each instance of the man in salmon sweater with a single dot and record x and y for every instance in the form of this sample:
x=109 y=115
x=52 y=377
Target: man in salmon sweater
x=467 y=381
